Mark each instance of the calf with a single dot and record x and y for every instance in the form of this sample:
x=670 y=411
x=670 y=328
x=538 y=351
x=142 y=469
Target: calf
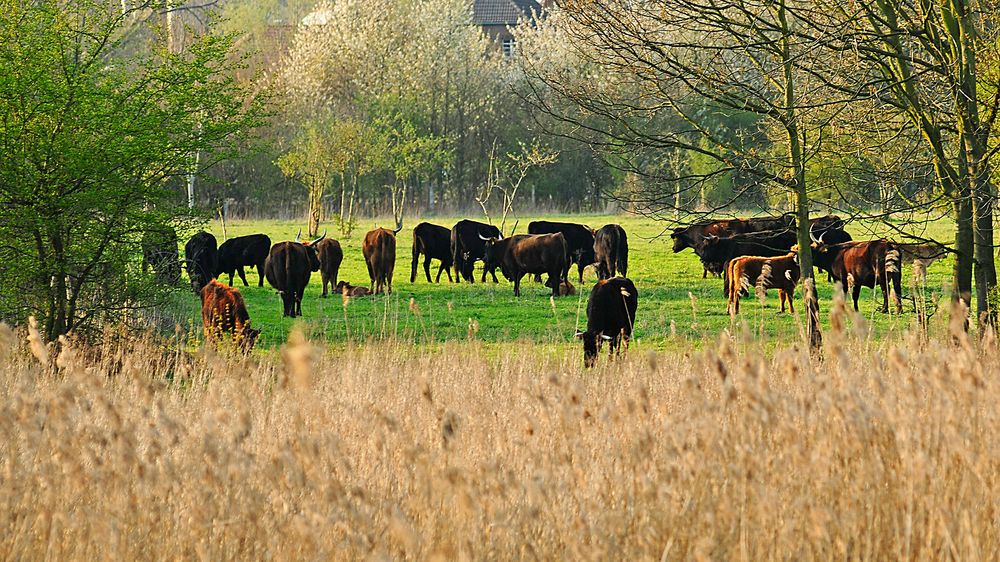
x=330 y=257
x=244 y=251
x=716 y=252
x=863 y=264
x=762 y=273
x=611 y=251
x=224 y=312
x=379 y=249
x=349 y=290
x=434 y=242
x=610 y=317
x=579 y=240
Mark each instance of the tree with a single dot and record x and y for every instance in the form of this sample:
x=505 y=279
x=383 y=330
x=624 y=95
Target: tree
x=922 y=61
x=633 y=65
x=91 y=139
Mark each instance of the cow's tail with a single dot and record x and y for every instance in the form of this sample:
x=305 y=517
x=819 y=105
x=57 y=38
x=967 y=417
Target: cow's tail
x=763 y=281
x=288 y=271
x=893 y=261
x=564 y=278
x=622 y=252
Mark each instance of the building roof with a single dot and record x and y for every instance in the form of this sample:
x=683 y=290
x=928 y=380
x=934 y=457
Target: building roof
x=503 y=12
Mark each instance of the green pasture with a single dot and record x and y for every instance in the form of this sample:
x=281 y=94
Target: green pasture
x=677 y=308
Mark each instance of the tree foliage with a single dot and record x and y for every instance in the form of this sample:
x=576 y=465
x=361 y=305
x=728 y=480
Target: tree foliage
x=91 y=137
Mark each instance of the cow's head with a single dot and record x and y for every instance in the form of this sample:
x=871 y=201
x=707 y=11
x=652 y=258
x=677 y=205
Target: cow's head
x=489 y=250
x=681 y=239
x=311 y=250
x=591 y=346
x=248 y=338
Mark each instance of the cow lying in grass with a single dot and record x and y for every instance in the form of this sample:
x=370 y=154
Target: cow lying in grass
x=762 y=273
x=349 y=290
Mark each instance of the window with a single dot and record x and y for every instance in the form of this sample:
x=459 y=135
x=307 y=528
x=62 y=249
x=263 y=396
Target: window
x=508 y=46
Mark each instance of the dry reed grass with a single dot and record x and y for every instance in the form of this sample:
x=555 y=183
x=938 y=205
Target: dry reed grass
x=395 y=452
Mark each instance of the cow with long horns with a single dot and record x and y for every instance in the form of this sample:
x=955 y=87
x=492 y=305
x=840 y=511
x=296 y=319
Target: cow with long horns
x=288 y=268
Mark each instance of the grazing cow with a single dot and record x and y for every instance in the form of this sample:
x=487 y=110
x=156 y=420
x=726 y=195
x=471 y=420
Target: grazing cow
x=349 y=290
x=224 y=312
x=201 y=259
x=288 y=269
x=863 y=264
x=579 y=240
x=716 y=252
x=379 y=249
x=611 y=251
x=467 y=246
x=610 y=317
x=159 y=251
x=434 y=242
x=762 y=273
x=330 y=257
x=522 y=254
x=694 y=236
x=244 y=251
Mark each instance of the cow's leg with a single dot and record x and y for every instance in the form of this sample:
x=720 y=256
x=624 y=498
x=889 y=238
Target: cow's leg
x=243 y=276
x=333 y=282
x=427 y=267
x=704 y=273
x=371 y=275
x=326 y=279
x=855 y=295
x=579 y=269
x=388 y=276
x=517 y=283
x=883 y=283
x=896 y=282
x=231 y=278
x=440 y=271
x=413 y=264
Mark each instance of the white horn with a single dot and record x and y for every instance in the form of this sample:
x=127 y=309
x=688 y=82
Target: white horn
x=298 y=237
x=481 y=237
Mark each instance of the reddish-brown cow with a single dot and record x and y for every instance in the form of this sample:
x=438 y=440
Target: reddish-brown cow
x=224 y=312
x=379 y=249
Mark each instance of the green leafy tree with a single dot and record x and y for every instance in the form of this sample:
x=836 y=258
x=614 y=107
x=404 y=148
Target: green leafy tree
x=91 y=139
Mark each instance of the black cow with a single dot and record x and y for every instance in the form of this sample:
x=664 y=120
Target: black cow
x=694 y=236
x=529 y=253
x=331 y=255
x=244 y=251
x=579 y=239
x=829 y=237
x=716 y=252
x=610 y=317
x=468 y=241
x=434 y=242
x=201 y=260
x=611 y=251
x=288 y=269
x=159 y=252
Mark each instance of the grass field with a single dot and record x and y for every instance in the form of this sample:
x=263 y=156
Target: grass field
x=677 y=308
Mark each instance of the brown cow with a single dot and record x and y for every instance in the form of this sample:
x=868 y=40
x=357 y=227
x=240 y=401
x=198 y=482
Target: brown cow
x=330 y=258
x=349 y=290
x=863 y=264
x=522 y=254
x=224 y=312
x=762 y=273
x=379 y=249
x=566 y=289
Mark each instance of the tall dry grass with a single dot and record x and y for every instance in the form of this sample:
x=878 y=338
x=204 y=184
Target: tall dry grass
x=394 y=452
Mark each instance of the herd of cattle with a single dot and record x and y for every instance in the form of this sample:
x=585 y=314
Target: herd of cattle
x=754 y=253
